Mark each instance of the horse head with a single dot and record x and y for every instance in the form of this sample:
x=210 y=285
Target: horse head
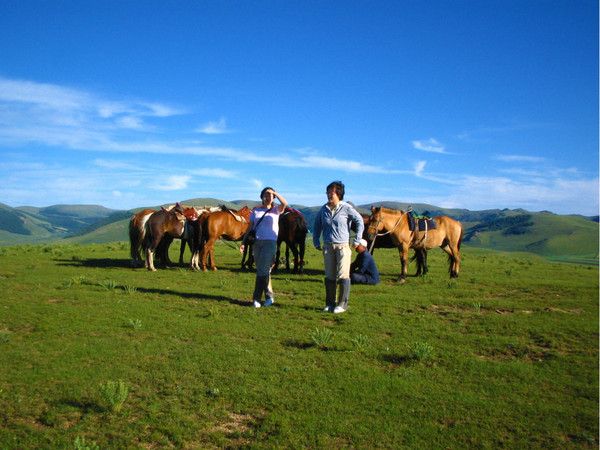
x=191 y=213
x=375 y=222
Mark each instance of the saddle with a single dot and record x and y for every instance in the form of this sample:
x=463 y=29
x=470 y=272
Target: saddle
x=420 y=223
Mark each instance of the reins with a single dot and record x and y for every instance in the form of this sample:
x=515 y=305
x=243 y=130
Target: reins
x=383 y=234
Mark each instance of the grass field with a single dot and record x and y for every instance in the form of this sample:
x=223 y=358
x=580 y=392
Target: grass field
x=94 y=354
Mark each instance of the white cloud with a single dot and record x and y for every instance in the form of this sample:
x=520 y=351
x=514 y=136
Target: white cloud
x=131 y=122
x=520 y=158
x=430 y=145
x=218 y=127
x=258 y=184
x=419 y=168
x=323 y=162
x=174 y=183
x=213 y=173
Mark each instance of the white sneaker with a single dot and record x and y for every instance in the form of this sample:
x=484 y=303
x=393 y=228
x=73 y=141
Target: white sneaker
x=339 y=309
x=257 y=304
x=269 y=302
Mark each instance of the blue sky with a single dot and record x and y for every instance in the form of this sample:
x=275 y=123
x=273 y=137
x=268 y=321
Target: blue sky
x=470 y=104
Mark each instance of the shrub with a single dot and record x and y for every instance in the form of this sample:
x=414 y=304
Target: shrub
x=420 y=351
x=322 y=337
x=114 y=394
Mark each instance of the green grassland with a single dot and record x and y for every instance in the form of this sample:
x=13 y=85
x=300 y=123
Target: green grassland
x=504 y=356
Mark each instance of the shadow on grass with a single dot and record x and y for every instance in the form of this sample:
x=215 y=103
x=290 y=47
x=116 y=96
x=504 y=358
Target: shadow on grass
x=295 y=343
x=85 y=406
x=198 y=296
x=95 y=262
x=396 y=359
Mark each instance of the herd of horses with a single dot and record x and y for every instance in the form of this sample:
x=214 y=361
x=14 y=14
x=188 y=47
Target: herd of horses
x=152 y=231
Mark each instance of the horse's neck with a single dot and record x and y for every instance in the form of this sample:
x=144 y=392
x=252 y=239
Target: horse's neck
x=393 y=219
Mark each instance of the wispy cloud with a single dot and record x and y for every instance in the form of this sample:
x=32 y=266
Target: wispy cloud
x=213 y=173
x=419 y=168
x=218 y=127
x=430 y=145
x=174 y=183
x=520 y=158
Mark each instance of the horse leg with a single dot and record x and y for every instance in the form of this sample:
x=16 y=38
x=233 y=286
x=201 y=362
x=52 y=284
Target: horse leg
x=403 y=250
x=277 y=256
x=452 y=260
x=182 y=250
x=294 y=249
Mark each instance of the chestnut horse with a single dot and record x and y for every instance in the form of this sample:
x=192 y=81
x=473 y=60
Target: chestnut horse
x=228 y=224
x=292 y=231
x=384 y=240
x=166 y=224
x=447 y=235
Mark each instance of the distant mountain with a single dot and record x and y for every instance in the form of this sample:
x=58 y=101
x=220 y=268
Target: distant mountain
x=562 y=237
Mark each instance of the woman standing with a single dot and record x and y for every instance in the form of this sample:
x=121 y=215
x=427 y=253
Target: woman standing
x=333 y=220
x=264 y=221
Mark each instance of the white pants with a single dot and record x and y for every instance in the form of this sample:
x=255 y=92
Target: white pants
x=337 y=259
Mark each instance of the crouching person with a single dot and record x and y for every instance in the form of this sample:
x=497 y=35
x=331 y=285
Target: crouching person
x=363 y=270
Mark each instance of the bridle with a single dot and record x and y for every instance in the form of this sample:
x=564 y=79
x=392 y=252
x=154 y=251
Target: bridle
x=383 y=234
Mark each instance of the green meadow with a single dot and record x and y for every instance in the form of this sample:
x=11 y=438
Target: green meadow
x=94 y=354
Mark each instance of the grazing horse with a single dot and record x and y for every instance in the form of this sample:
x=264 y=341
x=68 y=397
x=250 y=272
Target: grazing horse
x=292 y=231
x=166 y=223
x=228 y=224
x=384 y=240
x=447 y=235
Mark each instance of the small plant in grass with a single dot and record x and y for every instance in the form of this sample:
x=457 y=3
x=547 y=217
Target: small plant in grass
x=477 y=306
x=109 y=285
x=322 y=337
x=130 y=289
x=114 y=394
x=81 y=444
x=360 y=342
x=508 y=272
x=4 y=336
x=213 y=392
x=420 y=351
x=136 y=324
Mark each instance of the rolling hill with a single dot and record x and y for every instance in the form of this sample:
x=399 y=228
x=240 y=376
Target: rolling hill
x=559 y=237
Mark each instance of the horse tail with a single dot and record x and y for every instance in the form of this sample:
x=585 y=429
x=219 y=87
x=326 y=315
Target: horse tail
x=134 y=240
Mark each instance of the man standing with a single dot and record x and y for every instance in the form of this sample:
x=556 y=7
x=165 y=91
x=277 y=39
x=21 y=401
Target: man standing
x=364 y=270
x=333 y=220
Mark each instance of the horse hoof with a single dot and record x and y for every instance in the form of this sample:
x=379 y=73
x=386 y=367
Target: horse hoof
x=214 y=269
x=401 y=280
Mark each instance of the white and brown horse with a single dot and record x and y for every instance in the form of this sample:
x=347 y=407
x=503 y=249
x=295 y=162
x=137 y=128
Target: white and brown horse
x=164 y=224
x=447 y=235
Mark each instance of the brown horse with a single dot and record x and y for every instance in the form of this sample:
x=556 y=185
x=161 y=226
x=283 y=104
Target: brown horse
x=292 y=231
x=447 y=235
x=384 y=240
x=167 y=224
x=228 y=224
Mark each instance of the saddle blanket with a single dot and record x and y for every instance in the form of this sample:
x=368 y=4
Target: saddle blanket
x=422 y=224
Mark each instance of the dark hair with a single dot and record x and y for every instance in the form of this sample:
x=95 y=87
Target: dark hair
x=265 y=190
x=338 y=187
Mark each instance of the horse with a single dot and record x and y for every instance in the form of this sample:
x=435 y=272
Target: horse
x=447 y=235
x=228 y=224
x=192 y=235
x=167 y=224
x=137 y=232
x=384 y=240
x=292 y=230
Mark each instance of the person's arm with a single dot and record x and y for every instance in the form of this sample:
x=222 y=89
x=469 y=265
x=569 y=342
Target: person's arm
x=317 y=231
x=282 y=201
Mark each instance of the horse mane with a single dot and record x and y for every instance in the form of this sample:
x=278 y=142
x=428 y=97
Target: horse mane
x=389 y=210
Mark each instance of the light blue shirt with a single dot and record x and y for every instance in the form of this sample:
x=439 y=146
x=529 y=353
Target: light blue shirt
x=335 y=225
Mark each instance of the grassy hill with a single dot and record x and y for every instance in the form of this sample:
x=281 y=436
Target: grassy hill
x=566 y=238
